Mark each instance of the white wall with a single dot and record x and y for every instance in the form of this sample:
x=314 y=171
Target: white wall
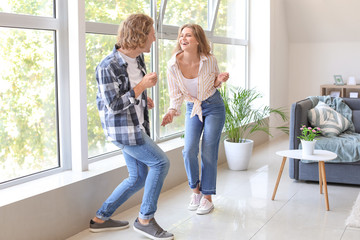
x=279 y=58
x=259 y=48
x=313 y=64
x=324 y=40
x=268 y=54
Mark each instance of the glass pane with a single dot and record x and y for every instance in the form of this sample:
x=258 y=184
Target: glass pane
x=34 y=7
x=165 y=49
x=231 y=19
x=28 y=126
x=231 y=58
x=114 y=11
x=180 y=12
x=158 y=6
x=98 y=46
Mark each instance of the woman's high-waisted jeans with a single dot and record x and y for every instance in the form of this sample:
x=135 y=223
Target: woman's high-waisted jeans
x=213 y=111
x=138 y=158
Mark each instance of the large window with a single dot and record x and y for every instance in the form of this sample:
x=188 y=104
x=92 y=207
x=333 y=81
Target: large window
x=28 y=96
x=37 y=74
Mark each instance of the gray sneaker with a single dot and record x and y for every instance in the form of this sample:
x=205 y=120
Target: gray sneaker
x=152 y=230
x=108 y=225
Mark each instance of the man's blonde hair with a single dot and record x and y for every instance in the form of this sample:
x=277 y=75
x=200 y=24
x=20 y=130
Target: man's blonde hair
x=133 y=31
x=199 y=34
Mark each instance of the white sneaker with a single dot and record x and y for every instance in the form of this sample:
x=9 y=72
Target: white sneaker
x=194 y=201
x=205 y=206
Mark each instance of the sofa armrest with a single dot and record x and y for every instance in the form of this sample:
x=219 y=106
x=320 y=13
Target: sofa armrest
x=298 y=117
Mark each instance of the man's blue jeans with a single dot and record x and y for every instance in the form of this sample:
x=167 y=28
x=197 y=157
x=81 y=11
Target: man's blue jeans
x=139 y=159
x=213 y=111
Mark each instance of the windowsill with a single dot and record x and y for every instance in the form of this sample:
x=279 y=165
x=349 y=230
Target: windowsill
x=32 y=188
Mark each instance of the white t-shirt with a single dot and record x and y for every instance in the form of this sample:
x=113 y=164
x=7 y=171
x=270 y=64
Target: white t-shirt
x=135 y=76
x=191 y=85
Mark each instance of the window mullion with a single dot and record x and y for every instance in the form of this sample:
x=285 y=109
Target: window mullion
x=77 y=76
x=155 y=131
x=63 y=86
x=28 y=21
x=212 y=13
x=168 y=32
x=160 y=19
x=101 y=28
x=226 y=40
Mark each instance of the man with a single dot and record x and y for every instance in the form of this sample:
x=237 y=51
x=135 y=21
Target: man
x=123 y=107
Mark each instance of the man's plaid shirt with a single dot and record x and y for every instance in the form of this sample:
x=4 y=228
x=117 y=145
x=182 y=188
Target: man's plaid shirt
x=116 y=100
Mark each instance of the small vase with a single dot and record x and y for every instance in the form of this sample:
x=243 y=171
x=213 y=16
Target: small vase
x=308 y=147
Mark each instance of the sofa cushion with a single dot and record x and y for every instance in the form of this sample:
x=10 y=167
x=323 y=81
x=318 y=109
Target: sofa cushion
x=346 y=146
x=331 y=122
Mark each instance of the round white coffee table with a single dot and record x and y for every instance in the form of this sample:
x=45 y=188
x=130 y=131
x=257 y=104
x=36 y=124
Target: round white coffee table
x=320 y=156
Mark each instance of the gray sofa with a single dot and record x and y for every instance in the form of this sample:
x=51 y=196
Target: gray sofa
x=348 y=173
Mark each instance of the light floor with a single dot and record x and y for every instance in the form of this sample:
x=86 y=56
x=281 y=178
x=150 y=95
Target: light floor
x=244 y=209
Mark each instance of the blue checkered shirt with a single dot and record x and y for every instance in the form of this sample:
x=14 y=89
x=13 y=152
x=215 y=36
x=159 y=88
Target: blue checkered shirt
x=116 y=100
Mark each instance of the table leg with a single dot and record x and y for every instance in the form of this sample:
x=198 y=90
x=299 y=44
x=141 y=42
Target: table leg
x=320 y=178
x=278 y=178
x=325 y=185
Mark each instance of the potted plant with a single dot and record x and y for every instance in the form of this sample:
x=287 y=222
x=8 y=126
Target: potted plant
x=241 y=121
x=307 y=139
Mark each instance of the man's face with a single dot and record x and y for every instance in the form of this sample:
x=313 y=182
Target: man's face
x=150 y=40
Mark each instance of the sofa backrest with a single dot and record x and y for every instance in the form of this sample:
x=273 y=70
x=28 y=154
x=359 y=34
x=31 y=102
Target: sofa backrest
x=354 y=104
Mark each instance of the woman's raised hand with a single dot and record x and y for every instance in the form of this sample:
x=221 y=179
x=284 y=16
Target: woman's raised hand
x=223 y=77
x=168 y=118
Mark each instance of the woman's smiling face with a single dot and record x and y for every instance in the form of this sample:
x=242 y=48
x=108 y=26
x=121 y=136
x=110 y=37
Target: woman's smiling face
x=187 y=39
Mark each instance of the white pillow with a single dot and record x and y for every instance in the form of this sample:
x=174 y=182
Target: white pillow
x=330 y=121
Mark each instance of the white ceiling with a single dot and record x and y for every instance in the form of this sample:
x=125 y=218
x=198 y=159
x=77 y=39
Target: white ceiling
x=323 y=20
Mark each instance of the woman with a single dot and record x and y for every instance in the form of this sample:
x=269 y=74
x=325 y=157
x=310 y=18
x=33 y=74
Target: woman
x=193 y=75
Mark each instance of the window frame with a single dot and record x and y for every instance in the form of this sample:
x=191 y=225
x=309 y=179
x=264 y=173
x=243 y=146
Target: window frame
x=57 y=24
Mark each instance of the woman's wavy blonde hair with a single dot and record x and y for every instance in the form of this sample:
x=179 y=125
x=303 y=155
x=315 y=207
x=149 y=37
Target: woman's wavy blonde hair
x=133 y=31
x=199 y=34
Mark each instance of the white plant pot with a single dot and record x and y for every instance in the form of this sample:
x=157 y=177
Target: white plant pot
x=308 y=147
x=238 y=154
